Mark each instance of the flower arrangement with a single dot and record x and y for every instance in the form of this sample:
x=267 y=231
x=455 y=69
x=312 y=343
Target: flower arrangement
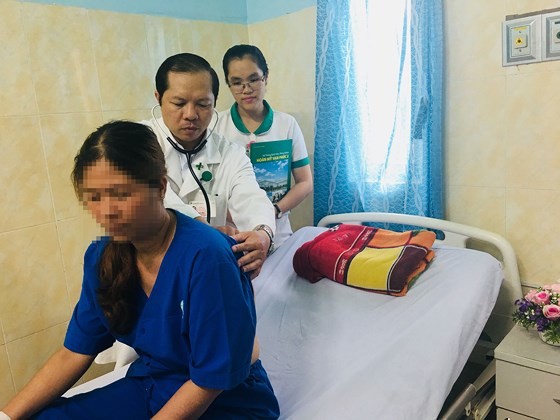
x=540 y=308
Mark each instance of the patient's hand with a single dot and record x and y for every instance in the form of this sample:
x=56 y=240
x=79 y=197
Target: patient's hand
x=254 y=244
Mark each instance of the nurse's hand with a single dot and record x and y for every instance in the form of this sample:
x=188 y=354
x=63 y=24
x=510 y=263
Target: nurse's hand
x=254 y=244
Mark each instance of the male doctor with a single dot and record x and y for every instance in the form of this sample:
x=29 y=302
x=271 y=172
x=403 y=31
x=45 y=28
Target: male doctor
x=186 y=90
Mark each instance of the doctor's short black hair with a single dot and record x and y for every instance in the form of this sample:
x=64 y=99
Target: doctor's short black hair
x=237 y=52
x=185 y=63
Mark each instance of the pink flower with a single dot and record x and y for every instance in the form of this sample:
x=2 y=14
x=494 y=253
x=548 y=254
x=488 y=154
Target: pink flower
x=541 y=298
x=529 y=296
x=555 y=287
x=551 y=311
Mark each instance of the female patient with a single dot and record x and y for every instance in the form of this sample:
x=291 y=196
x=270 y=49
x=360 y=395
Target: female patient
x=164 y=284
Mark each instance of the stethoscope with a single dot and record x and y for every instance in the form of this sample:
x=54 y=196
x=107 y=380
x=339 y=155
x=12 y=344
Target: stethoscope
x=206 y=175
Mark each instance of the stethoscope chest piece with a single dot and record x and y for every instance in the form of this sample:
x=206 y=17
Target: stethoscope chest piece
x=206 y=176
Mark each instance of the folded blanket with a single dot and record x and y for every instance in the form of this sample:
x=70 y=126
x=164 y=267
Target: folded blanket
x=367 y=258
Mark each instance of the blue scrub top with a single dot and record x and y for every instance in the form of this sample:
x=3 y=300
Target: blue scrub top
x=198 y=323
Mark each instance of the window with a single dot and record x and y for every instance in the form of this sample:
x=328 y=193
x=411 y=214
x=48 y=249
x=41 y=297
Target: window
x=380 y=36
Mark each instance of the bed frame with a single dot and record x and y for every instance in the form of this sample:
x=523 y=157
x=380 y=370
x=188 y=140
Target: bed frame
x=477 y=398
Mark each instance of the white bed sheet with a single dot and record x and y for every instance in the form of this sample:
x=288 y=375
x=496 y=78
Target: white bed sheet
x=333 y=352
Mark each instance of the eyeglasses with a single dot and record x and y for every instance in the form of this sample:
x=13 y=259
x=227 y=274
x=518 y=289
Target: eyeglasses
x=253 y=83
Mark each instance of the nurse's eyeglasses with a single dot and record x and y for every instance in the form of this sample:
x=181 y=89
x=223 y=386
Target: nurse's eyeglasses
x=254 y=84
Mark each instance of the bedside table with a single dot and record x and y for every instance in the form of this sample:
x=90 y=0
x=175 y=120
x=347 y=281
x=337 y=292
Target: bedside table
x=527 y=377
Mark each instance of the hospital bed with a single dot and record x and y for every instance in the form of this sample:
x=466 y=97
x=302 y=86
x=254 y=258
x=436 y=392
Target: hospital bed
x=335 y=352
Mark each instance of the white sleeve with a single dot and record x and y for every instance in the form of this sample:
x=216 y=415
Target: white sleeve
x=248 y=204
x=173 y=201
x=299 y=150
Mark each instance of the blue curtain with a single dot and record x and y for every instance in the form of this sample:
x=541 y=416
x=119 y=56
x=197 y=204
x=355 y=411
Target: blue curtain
x=378 y=135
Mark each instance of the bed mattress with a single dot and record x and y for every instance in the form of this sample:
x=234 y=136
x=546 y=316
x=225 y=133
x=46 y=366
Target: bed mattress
x=335 y=352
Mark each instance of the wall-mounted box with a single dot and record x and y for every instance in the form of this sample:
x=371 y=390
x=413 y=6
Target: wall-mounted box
x=550 y=36
x=521 y=41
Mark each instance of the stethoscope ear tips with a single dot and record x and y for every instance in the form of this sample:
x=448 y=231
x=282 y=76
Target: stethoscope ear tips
x=206 y=176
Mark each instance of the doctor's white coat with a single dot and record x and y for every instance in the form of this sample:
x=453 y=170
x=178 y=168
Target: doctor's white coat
x=239 y=201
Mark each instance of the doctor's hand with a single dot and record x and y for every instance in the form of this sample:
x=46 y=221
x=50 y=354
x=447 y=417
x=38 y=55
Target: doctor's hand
x=254 y=244
x=228 y=230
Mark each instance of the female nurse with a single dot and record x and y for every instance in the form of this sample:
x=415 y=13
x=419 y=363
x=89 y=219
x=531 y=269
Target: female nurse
x=272 y=139
x=164 y=284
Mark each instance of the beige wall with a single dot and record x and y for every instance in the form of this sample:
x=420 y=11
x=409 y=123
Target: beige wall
x=63 y=72
x=501 y=139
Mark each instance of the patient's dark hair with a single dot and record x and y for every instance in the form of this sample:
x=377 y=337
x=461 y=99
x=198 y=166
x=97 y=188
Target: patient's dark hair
x=238 y=52
x=134 y=149
x=185 y=63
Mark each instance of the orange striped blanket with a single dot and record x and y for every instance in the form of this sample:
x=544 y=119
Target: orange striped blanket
x=367 y=258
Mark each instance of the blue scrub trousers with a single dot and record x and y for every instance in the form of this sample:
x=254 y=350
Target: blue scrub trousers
x=132 y=398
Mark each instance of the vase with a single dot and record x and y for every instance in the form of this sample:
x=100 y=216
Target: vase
x=541 y=335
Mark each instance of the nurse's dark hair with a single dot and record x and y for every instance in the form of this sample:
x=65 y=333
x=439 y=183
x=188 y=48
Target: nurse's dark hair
x=185 y=63
x=238 y=52
x=133 y=149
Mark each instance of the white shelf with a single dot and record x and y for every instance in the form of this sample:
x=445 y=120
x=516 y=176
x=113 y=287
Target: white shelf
x=525 y=348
